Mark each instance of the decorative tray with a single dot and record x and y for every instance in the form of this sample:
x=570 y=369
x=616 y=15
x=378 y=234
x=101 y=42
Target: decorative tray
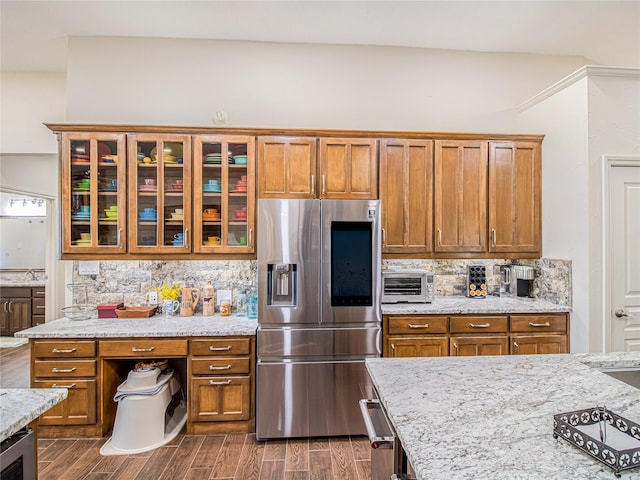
x=136 y=312
x=603 y=435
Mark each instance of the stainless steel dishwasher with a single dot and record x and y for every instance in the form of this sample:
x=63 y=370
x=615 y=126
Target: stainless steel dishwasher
x=388 y=460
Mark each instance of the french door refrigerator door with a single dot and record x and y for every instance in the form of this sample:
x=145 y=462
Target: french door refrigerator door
x=351 y=262
x=288 y=261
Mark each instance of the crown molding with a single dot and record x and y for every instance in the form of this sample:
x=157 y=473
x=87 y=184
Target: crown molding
x=583 y=72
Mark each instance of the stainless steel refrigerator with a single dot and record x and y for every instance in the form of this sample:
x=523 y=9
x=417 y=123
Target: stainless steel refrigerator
x=319 y=315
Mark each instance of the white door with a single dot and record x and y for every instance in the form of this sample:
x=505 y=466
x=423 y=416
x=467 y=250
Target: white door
x=624 y=255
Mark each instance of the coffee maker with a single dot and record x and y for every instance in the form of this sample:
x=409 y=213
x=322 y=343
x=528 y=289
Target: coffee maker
x=522 y=280
x=516 y=280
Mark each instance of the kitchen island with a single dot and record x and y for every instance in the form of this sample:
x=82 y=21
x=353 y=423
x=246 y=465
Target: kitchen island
x=492 y=417
x=20 y=406
x=214 y=357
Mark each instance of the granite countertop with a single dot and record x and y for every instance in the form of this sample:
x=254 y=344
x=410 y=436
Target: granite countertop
x=492 y=417
x=22 y=283
x=20 y=406
x=464 y=305
x=156 y=326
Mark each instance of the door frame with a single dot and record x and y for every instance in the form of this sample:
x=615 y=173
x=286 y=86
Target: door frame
x=609 y=162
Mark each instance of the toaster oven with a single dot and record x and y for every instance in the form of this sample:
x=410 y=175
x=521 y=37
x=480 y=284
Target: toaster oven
x=407 y=286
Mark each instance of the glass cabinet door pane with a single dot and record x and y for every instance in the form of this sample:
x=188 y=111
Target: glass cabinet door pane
x=147 y=194
x=237 y=189
x=108 y=204
x=173 y=201
x=80 y=197
x=212 y=233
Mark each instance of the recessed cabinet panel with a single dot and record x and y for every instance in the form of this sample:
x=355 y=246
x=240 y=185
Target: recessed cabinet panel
x=93 y=193
x=406 y=186
x=224 y=194
x=287 y=167
x=514 y=197
x=418 y=347
x=460 y=204
x=479 y=345
x=160 y=193
x=348 y=168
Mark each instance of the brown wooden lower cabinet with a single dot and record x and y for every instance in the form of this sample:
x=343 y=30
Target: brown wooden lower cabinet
x=479 y=345
x=534 y=344
x=217 y=376
x=418 y=347
x=463 y=335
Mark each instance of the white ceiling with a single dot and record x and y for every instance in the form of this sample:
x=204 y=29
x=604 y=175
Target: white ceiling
x=34 y=33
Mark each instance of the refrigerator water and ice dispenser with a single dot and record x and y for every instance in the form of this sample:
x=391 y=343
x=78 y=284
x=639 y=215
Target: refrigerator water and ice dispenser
x=282 y=284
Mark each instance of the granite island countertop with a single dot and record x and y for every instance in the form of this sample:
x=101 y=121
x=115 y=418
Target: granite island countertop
x=492 y=417
x=20 y=406
x=156 y=326
x=464 y=305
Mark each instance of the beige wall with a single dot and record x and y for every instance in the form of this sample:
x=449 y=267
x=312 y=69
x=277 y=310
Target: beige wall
x=183 y=82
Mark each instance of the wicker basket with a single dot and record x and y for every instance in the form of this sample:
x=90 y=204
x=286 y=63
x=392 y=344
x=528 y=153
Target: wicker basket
x=136 y=312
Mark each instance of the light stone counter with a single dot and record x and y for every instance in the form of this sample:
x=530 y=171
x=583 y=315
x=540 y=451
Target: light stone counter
x=20 y=406
x=464 y=305
x=156 y=326
x=492 y=417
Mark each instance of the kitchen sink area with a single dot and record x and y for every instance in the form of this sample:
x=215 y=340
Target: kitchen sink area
x=628 y=376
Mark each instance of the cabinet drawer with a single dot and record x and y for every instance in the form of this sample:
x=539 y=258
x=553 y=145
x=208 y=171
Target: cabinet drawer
x=38 y=304
x=64 y=349
x=417 y=325
x=38 y=292
x=15 y=292
x=221 y=346
x=69 y=368
x=538 y=323
x=219 y=366
x=144 y=347
x=469 y=324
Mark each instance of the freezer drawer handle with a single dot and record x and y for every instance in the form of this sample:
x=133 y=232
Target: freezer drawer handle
x=63 y=370
x=479 y=325
x=211 y=382
x=413 y=325
x=545 y=324
x=136 y=349
x=377 y=441
x=226 y=367
x=56 y=350
x=219 y=349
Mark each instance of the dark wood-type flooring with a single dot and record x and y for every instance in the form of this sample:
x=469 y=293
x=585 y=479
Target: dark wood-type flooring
x=193 y=457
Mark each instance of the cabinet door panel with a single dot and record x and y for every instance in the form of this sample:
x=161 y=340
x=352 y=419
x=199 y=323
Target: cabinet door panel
x=460 y=202
x=406 y=192
x=417 y=347
x=220 y=399
x=514 y=197
x=79 y=408
x=348 y=168
x=287 y=167
x=478 y=345
x=538 y=344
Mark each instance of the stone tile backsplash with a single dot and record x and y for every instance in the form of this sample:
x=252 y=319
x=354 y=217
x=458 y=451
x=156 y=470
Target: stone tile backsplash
x=129 y=281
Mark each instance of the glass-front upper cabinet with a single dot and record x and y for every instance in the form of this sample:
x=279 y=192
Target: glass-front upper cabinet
x=224 y=193
x=159 y=193
x=93 y=193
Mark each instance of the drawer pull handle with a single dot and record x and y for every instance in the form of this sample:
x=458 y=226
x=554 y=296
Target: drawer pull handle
x=545 y=324
x=39 y=293
x=219 y=349
x=211 y=382
x=413 y=325
x=56 y=350
x=136 y=349
x=40 y=306
x=63 y=370
x=479 y=325
x=55 y=385
x=226 y=367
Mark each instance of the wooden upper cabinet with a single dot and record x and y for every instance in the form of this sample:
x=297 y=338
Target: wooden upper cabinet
x=406 y=194
x=348 y=168
x=514 y=197
x=287 y=167
x=460 y=203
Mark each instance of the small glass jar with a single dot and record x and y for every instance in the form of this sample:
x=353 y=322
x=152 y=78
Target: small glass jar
x=252 y=307
x=225 y=309
x=241 y=303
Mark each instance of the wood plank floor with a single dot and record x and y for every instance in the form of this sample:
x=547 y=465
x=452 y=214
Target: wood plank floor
x=193 y=457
